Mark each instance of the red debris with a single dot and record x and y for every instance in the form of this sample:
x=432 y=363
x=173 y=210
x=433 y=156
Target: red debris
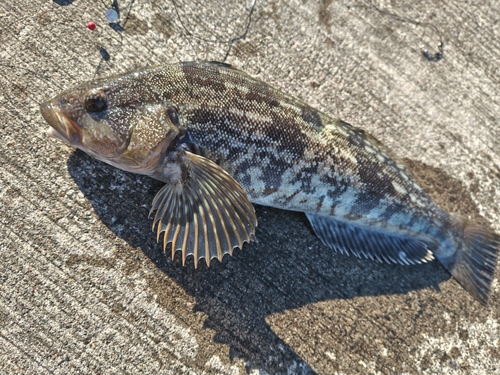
x=91 y=25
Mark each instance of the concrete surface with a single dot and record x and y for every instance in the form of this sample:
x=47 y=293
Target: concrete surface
x=86 y=290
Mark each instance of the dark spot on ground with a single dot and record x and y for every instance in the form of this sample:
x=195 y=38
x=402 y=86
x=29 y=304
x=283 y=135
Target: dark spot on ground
x=43 y=19
x=474 y=187
x=274 y=13
x=324 y=15
x=329 y=42
x=135 y=25
x=93 y=261
x=243 y=49
x=464 y=335
x=454 y=352
x=19 y=91
x=163 y=25
x=445 y=358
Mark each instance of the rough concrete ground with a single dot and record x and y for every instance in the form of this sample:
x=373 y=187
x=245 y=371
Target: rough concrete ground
x=86 y=289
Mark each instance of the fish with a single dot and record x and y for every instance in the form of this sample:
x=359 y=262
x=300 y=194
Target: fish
x=222 y=141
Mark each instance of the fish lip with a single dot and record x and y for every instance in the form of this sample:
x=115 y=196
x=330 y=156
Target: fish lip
x=61 y=127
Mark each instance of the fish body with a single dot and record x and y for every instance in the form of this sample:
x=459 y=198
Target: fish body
x=221 y=139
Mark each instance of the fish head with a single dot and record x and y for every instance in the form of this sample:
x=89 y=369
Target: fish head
x=118 y=120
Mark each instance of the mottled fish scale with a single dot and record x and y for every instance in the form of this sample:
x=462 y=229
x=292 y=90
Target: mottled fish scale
x=281 y=144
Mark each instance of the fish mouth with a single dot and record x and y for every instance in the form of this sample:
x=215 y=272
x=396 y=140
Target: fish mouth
x=62 y=127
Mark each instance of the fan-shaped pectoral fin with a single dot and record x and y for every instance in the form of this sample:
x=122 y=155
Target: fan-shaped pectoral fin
x=202 y=211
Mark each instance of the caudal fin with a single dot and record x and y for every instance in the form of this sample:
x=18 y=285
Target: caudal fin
x=473 y=264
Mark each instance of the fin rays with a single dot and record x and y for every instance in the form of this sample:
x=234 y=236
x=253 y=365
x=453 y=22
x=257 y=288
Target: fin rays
x=370 y=244
x=206 y=214
x=473 y=264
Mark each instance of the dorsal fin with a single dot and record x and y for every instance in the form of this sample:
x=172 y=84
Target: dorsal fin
x=221 y=64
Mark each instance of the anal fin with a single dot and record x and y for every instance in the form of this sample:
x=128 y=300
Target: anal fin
x=371 y=244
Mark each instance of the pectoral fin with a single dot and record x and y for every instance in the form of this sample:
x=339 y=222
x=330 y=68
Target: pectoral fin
x=202 y=210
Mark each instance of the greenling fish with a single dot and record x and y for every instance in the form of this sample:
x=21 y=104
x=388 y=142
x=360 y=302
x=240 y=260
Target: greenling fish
x=221 y=139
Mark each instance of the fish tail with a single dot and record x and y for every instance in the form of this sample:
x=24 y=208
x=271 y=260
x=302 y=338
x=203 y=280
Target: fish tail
x=474 y=258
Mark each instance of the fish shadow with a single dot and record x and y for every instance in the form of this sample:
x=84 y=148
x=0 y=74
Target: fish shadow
x=287 y=269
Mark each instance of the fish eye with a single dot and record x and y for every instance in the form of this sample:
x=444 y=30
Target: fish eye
x=95 y=104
